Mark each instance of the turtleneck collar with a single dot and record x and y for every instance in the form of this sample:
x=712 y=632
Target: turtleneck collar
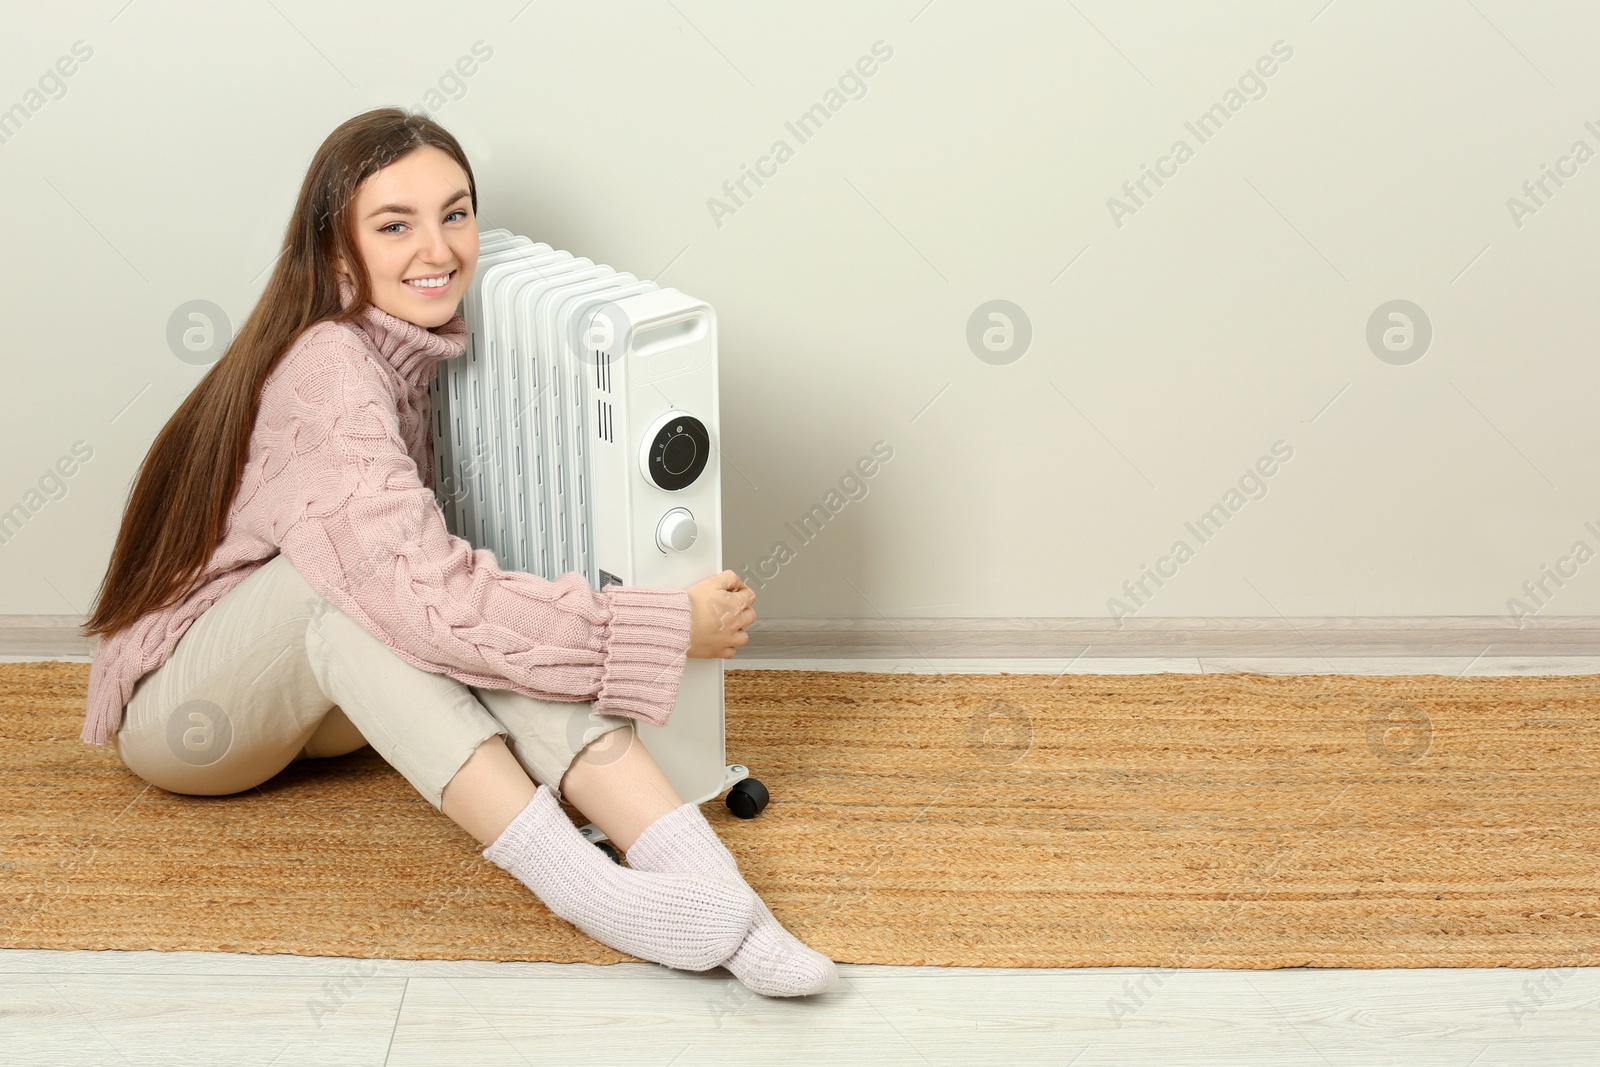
x=413 y=351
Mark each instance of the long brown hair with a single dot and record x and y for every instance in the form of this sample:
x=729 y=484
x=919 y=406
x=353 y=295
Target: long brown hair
x=178 y=510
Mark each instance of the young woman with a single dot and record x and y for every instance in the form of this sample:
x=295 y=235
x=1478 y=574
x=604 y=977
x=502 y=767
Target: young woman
x=283 y=587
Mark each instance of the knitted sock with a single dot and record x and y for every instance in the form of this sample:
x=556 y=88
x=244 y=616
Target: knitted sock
x=770 y=960
x=689 y=923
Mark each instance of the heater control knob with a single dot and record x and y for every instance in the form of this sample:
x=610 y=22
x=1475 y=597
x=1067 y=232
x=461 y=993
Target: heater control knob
x=677 y=448
x=677 y=531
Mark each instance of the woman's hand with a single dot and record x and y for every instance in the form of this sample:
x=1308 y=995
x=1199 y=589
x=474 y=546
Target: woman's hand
x=719 y=610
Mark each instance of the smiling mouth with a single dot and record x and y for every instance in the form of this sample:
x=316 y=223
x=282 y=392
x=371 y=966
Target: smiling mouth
x=430 y=285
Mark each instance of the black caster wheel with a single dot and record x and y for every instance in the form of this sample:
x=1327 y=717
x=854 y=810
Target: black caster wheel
x=610 y=850
x=748 y=798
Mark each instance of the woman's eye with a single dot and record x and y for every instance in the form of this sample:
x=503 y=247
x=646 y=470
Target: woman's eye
x=389 y=229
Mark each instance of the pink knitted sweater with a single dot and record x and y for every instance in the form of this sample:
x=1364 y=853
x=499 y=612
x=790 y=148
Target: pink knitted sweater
x=340 y=480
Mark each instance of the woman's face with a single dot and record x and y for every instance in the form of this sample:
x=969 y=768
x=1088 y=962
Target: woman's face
x=414 y=222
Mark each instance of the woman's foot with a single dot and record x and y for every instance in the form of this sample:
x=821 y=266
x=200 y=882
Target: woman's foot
x=679 y=920
x=770 y=960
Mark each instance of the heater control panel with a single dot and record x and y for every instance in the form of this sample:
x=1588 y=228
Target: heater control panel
x=677 y=448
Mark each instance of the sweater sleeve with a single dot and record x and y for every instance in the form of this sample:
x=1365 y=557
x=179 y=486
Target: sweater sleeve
x=354 y=517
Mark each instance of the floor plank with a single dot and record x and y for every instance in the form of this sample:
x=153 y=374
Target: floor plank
x=209 y=1008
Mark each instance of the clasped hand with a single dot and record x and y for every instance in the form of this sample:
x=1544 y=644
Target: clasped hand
x=719 y=610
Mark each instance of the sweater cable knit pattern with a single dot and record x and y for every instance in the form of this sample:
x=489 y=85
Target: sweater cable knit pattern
x=340 y=479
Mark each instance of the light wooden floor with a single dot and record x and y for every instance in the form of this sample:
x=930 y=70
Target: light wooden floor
x=237 y=1009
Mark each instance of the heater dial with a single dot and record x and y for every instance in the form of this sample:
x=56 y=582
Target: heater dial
x=677 y=448
x=677 y=531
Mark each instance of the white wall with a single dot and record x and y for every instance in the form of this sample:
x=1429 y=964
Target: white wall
x=1225 y=314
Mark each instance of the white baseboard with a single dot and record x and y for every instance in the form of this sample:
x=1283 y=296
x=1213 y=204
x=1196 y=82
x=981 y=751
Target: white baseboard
x=50 y=636
x=44 y=636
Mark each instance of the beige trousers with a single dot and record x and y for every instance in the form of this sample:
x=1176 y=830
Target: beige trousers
x=273 y=673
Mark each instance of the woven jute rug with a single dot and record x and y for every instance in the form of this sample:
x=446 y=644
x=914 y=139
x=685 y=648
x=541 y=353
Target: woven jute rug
x=1237 y=820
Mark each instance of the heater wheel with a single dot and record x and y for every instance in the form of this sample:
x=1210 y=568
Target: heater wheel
x=748 y=798
x=610 y=850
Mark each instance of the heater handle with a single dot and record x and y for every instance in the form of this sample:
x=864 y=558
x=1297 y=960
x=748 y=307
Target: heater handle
x=674 y=332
